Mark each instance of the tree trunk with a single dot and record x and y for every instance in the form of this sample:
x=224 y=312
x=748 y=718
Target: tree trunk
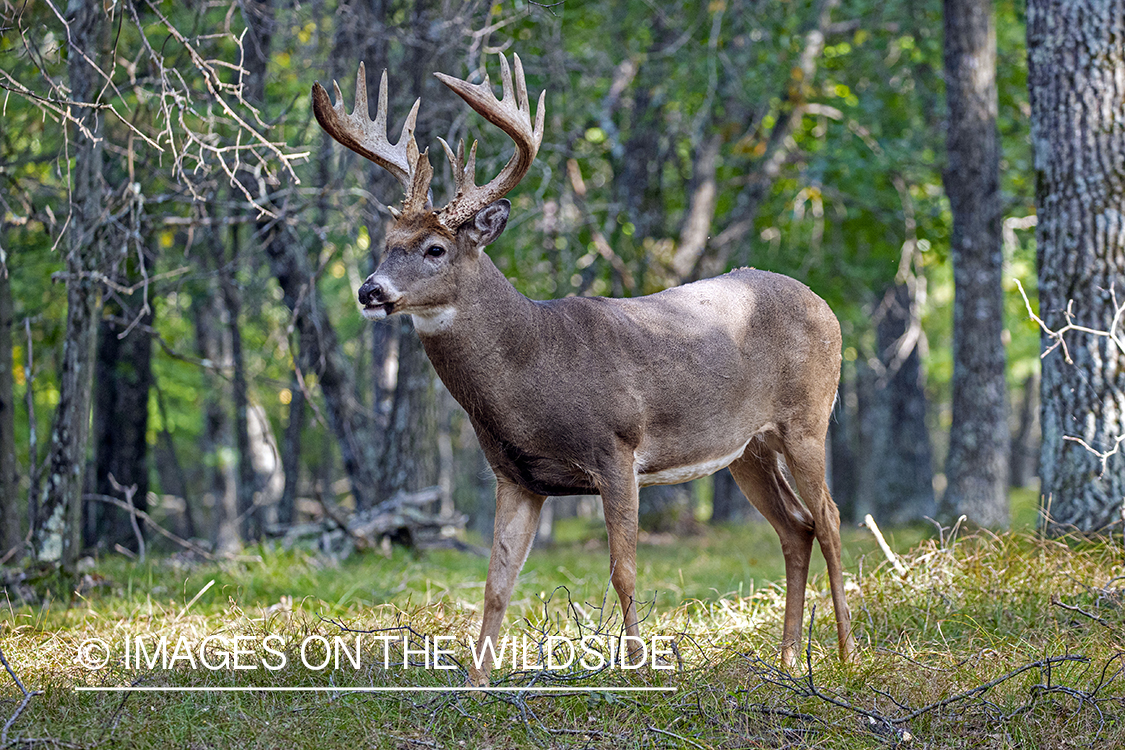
x=545 y=533
x=447 y=407
x=359 y=443
x=894 y=480
x=319 y=347
x=900 y=454
x=664 y=507
x=291 y=455
x=1075 y=53
x=728 y=504
x=57 y=535
x=259 y=18
x=977 y=465
x=249 y=517
x=868 y=427
x=410 y=454
x=482 y=491
x=170 y=470
x=9 y=473
x=123 y=375
x=1025 y=450
x=221 y=484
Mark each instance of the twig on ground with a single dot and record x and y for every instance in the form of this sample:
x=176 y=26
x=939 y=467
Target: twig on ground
x=194 y=599
x=1040 y=664
x=679 y=737
x=27 y=696
x=892 y=723
x=877 y=718
x=1081 y=611
x=891 y=556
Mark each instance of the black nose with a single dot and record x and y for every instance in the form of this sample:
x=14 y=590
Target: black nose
x=370 y=293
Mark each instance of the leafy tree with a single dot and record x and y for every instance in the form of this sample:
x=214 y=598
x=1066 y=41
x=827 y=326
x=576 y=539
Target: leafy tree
x=682 y=138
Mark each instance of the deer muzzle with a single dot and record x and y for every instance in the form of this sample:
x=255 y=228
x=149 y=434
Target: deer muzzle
x=378 y=298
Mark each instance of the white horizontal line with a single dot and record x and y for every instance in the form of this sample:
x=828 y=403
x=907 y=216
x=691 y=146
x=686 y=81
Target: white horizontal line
x=362 y=689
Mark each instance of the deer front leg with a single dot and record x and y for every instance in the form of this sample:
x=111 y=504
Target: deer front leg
x=620 y=500
x=517 y=519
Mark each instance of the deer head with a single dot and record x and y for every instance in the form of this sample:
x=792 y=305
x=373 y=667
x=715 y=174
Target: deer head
x=430 y=250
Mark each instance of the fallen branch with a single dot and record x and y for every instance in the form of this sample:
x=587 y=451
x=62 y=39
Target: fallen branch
x=27 y=695
x=679 y=737
x=891 y=556
x=402 y=517
x=886 y=723
x=1081 y=611
x=1040 y=664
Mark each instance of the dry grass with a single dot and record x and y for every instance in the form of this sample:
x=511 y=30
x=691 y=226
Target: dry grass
x=994 y=641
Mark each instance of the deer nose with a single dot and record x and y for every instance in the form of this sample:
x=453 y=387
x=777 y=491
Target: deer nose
x=371 y=292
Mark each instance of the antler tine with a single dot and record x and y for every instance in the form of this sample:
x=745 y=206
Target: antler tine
x=368 y=137
x=464 y=172
x=506 y=80
x=361 y=111
x=512 y=114
x=418 y=194
x=521 y=85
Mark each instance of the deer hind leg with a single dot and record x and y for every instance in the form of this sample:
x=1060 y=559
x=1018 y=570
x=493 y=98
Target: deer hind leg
x=760 y=479
x=620 y=500
x=805 y=457
x=517 y=519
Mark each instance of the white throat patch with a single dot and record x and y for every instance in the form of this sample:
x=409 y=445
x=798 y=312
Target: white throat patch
x=434 y=321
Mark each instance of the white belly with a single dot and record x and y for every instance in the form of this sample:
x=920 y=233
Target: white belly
x=678 y=474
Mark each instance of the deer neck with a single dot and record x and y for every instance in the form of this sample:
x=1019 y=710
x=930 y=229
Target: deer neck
x=485 y=340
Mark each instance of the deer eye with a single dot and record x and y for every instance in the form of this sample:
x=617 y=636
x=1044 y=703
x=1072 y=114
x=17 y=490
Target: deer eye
x=435 y=251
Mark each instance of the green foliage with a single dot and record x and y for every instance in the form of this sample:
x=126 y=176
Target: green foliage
x=635 y=91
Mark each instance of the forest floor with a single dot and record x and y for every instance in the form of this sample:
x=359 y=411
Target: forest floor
x=978 y=640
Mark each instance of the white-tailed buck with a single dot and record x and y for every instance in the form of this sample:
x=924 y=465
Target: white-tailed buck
x=593 y=395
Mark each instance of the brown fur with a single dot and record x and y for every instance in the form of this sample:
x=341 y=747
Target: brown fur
x=584 y=395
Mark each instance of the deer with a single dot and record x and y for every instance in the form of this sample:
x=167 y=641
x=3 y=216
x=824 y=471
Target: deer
x=595 y=395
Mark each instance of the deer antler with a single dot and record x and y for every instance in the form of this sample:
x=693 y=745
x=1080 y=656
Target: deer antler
x=512 y=114
x=368 y=137
x=412 y=169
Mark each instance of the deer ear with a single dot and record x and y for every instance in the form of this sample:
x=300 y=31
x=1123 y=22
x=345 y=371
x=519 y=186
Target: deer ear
x=489 y=222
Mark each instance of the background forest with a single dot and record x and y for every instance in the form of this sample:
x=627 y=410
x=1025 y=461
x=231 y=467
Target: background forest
x=198 y=429
x=238 y=388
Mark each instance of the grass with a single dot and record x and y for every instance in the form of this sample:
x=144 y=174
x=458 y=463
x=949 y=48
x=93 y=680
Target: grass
x=1022 y=637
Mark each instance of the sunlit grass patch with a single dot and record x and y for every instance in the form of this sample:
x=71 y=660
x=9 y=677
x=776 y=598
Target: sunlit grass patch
x=986 y=641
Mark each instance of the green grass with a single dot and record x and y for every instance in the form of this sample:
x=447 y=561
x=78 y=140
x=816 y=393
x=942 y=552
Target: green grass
x=962 y=617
